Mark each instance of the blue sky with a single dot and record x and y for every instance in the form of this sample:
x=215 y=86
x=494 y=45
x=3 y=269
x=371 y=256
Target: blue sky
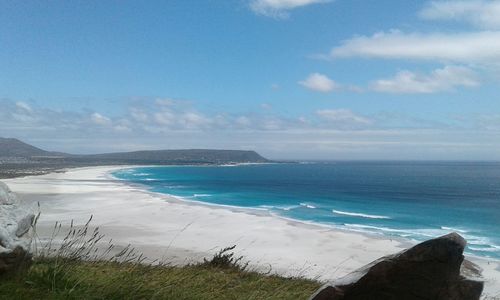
x=317 y=79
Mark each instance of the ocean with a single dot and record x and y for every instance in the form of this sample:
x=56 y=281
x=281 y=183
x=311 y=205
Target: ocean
x=410 y=200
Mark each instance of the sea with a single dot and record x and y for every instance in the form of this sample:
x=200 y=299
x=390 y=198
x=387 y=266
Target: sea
x=406 y=200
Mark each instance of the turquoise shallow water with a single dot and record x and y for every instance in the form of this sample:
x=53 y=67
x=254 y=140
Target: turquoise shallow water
x=413 y=200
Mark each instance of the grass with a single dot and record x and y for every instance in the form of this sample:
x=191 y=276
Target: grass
x=75 y=268
x=112 y=280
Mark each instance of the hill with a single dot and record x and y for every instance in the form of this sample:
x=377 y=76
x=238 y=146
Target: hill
x=16 y=151
x=197 y=156
x=10 y=147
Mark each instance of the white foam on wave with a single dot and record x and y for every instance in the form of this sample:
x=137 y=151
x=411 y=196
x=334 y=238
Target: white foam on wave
x=191 y=200
x=174 y=186
x=491 y=248
x=361 y=215
x=475 y=240
x=141 y=174
x=454 y=229
x=421 y=232
x=201 y=195
x=375 y=228
x=287 y=208
x=475 y=243
x=307 y=205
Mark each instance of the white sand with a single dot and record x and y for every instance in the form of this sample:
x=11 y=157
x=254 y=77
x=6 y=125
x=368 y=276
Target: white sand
x=163 y=227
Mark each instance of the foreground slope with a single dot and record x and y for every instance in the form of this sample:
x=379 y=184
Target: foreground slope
x=103 y=280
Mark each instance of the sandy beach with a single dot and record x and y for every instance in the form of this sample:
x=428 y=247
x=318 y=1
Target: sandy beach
x=172 y=230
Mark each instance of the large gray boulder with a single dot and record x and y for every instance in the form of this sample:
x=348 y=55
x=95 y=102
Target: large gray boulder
x=16 y=231
x=430 y=270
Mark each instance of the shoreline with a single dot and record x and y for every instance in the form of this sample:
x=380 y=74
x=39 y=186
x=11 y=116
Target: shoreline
x=155 y=223
x=261 y=211
x=404 y=243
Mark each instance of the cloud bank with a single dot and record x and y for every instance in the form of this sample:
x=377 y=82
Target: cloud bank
x=328 y=133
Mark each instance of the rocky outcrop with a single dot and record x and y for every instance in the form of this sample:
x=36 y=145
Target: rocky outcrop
x=430 y=270
x=15 y=231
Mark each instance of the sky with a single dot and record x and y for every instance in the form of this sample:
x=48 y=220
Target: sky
x=291 y=79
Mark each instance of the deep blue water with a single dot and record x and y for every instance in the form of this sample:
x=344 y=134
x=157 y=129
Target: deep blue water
x=413 y=200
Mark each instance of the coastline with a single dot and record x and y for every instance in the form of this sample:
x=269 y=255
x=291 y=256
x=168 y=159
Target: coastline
x=166 y=227
x=257 y=211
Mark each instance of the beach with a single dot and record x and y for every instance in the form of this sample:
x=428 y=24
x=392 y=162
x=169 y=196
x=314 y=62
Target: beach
x=171 y=230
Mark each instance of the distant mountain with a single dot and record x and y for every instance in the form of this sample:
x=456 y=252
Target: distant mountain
x=14 y=148
x=181 y=156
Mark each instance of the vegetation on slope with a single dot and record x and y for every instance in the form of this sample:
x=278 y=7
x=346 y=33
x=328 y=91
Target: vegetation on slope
x=74 y=267
x=108 y=280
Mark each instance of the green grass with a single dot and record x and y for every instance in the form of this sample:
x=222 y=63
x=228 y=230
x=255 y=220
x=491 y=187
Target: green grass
x=52 y=278
x=75 y=263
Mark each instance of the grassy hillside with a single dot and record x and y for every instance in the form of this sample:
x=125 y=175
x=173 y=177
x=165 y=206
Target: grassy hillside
x=46 y=279
x=75 y=263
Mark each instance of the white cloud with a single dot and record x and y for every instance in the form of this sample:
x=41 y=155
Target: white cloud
x=319 y=83
x=165 y=117
x=171 y=116
x=474 y=47
x=279 y=8
x=122 y=128
x=139 y=115
x=480 y=13
x=342 y=116
x=243 y=121
x=438 y=80
x=24 y=106
x=99 y=119
x=193 y=120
